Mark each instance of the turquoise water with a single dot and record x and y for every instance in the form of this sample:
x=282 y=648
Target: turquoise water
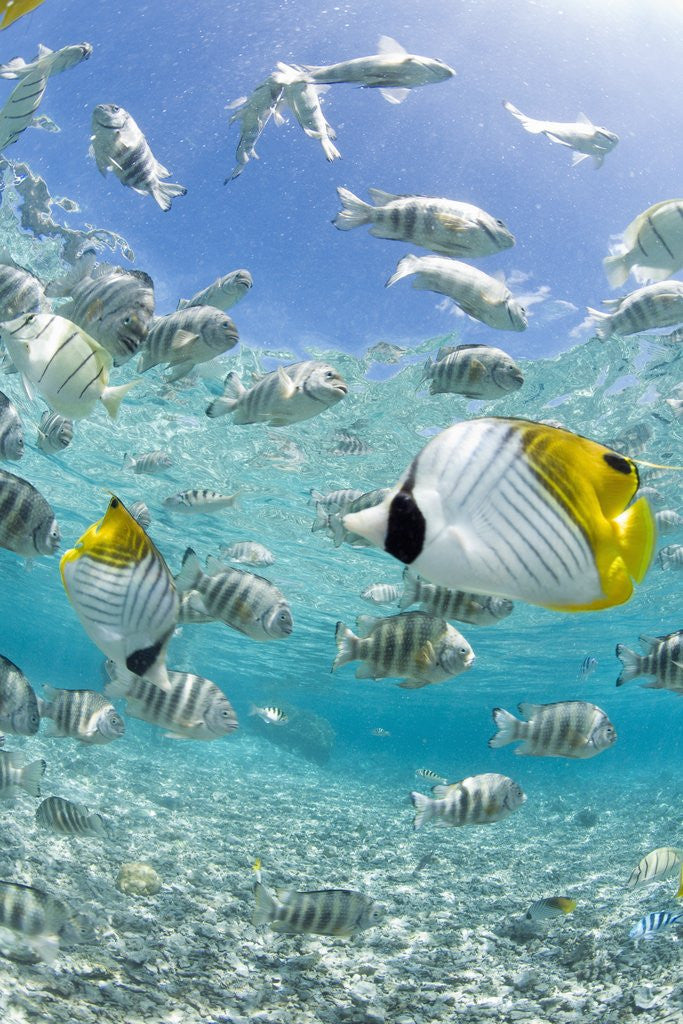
x=334 y=812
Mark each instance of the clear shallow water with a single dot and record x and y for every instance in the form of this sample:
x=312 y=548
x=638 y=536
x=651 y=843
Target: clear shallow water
x=448 y=946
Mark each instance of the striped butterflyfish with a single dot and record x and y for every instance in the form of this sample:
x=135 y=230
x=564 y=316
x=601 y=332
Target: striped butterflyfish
x=520 y=510
x=659 y=863
x=123 y=593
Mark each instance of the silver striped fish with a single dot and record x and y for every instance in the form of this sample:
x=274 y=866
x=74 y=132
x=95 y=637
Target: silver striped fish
x=118 y=145
x=482 y=297
x=320 y=912
x=123 y=593
x=671 y=557
x=187 y=337
x=18 y=702
x=16 y=774
x=20 y=291
x=224 y=293
x=248 y=552
x=304 y=102
x=332 y=522
x=475 y=371
x=668 y=521
x=115 y=306
x=253 y=113
x=151 y=463
x=140 y=513
x=347 y=443
x=649 y=925
x=11 y=431
x=69 y=819
x=55 y=433
x=569 y=728
x=249 y=603
x=651 y=247
x=476 y=800
x=653 y=306
x=420 y=648
x=445 y=226
x=200 y=501
x=381 y=593
x=83 y=715
x=27 y=522
x=335 y=501
x=40 y=920
x=289 y=394
x=658 y=863
x=193 y=709
x=663 y=659
x=427 y=773
x=477 y=609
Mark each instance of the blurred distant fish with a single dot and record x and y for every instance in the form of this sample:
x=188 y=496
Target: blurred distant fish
x=585 y=138
x=671 y=557
x=587 y=667
x=482 y=297
x=254 y=112
x=40 y=921
x=569 y=728
x=551 y=906
x=668 y=521
x=271 y=715
x=199 y=501
x=12 y=10
x=69 y=819
x=152 y=463
x=16 y=775
x=248 y=552
x=384 y=352
x=27 y=522
x=430 y=776
x=334 y=501
x=381 y=593
x=11 y=431
x=633 y=440
x=443 y=225
x=82 y=267
x=651 y=924
x=140 y=513
x=475 y=371
x=653 y=306
x=18 y=702
x=393 y=71
x=663 y=660
x=186 y=338
x=118 y=145
x=651 y=247
x=304 y=102
x=84 y=715
x=332 y=523
x=224 y=293
x=477 y=800
x=658 y=863
x=380 y=733
x=349 y=444
x=655 y=497
x=477 y=609
x=55 y=432
x=289 y=394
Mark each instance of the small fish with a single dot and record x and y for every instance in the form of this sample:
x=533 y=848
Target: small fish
x=445 y=226
x=668 y=521
x=152 y=463
x=287 y=395
x=553 y=507
x=123 y=593
x=482 y=297
x=27 y=522
x=671 y=557
x=651 y=247
x=11 y=431
x=587 y=667
x=18 y=702
x=653 y=306
x=140 y=513
x=335 y=501
x=224 y=293
x=40 y=920
x=16 y=775
x=118 y=145
x=186 y=338
x=350 y=444
x=320 y=912
x=551 y=906
x=585 y=138
x=12 y=10
x=332 y=522
x=475 y=371
x=658 y=863
x=663 y=659
x=84 y=715
x=274 y=716
x=247 y=602
x=55 y=433
x=384 y=352
x=247 y=552
x=66 y=818
x=63 y=364
x=254 y=112
x=570 y=728
x=430 y=776
x=418 y=647
x=477 y=800
x=196 y=501
x=381 y=733
x=193 y=709
x=381 y=593
x=649 y=925
x=477 y=609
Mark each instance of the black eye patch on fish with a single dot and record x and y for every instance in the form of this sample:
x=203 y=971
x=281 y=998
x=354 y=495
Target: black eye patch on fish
x=617 y=462
x=405 y=527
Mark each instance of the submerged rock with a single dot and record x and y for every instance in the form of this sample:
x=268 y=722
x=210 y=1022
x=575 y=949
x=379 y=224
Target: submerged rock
x=306 y=734
x=138 y=879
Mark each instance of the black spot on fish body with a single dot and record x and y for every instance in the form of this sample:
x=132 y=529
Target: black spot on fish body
x=140 y=662
x=406 y=526
x=618 y=462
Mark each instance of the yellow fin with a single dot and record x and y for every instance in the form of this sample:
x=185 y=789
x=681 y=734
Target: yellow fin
x=451 y=222
x=565 y=904
x=636 y=533
x=426 y=656
x=679 y=894
x=256 y=866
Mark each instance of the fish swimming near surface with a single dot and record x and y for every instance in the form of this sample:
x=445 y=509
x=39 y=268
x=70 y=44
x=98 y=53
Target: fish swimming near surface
x=84 y=715
x=587 y=667
x=475 y=371
x=570 y=728
x=420 y=648
x=11 y=431
x=584 y=137
x=319 y=912
x=198 y=501
x=248 y=552
x=481 y=296
x=304 y=102
x=12 y=10
x=151 y=463
x=27 y=522
x=16 y=774
x=381 y=593
x=186 y=338
x=445 y=226
x=63 y=364
x=20 y=291
x=287 y=395
x=123 y=593
x=18 y=703
x=55 y=433
x=253 y=113
x=663 y=659
x=659 y=863
x=393 y=71
x=477 y=800
x=651 y=924
x=40 y=920
x=651 y=247
x=224 y=293
x=118 y=145
x=653 y=306
x=521 y=510
x=270 y=715
x=477 y=609
x=551 y=906
x=66 y=818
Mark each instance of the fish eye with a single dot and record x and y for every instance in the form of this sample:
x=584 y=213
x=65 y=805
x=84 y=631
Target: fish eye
x=462 y=650
x=500 y=223
x=30 y=318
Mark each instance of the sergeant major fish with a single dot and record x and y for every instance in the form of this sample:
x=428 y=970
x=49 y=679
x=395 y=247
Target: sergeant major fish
x=16 y=774
x=140 y=513
x=186 y=338
x=198 y=501
x=27 y=524
x=476 y=800
x=570 y=728
x=332 y=522
x=584 y=137
x=248 y=552
x=427 y=773
x=270 y=715
x=475 y=371
x=56 y=814
x=11 y=431
x=381 y=593
x=477 y=609
x=18 y=702
x=55 y=433
x=668 y=521
x=649 y=925
x=41 y=921
x=671 y=556
x=118 y=145
x=652 y=306
x=289 y=394
x=445 y=226
x=224 y=293
x=84 y=715
x=587 y=667
x=663 y=659
x=151 y=463
x=651 y=247
x=20 y=291
x=320 y=912
x=519 y=510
